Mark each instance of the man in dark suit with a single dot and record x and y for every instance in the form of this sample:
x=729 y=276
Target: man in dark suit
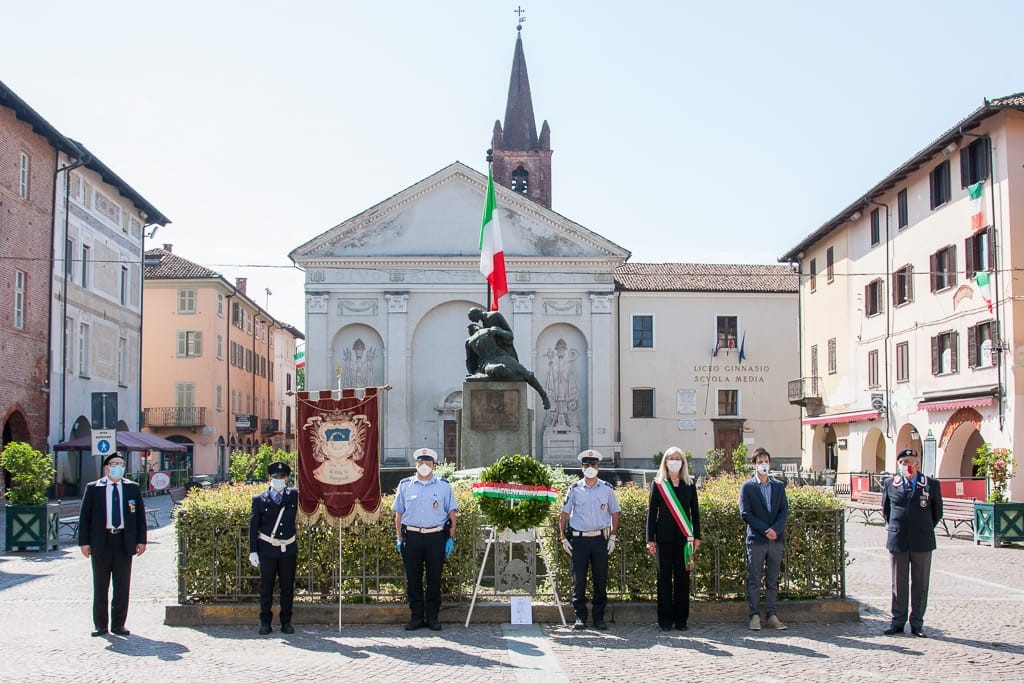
x=111 y=530
x=912 y=506
x=272 y=545
x=765 y=509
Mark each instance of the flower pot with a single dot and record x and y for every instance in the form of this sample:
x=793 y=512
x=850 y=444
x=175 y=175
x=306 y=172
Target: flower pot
x=32 y=527
x=998 y=523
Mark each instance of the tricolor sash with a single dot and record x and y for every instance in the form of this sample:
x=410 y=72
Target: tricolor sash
x=514 y=491
x=668 y=494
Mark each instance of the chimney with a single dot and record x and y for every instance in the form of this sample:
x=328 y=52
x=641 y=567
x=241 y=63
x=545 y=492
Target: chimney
x=169 y=248
x=240 y=284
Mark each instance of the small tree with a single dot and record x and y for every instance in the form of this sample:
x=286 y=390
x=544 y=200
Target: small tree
x=31 y=473
x=999 y=466
x=253 y=466
x=741 y=461
x=717 y=463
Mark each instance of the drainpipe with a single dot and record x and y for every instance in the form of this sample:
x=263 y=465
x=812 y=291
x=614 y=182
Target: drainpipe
x=888 y=319
x=1000 y=367
x=228 y=396
x=617 y=457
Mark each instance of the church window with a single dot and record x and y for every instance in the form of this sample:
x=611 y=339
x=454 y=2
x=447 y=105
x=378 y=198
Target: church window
x=521 y=180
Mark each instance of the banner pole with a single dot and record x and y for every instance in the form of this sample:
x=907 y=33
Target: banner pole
x=339 y=574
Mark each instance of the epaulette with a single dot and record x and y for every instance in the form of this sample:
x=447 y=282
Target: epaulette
x=444 y=480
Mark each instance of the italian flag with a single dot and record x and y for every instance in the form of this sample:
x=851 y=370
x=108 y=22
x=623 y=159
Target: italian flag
x=981 y=281
x=977 y=196
x=300 y=359
x=492 y=255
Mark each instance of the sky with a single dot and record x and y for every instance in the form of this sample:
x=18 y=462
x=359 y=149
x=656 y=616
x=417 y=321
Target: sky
x=720 y=132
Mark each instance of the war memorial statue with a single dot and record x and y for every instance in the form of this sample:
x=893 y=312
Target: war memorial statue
x=490 y=354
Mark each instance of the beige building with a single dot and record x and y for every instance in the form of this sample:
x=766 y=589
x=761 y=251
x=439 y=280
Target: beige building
x=219 y=371
x=705 y=353
x=903 y=344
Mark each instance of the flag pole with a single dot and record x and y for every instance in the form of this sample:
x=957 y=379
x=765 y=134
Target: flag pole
x=490 y=161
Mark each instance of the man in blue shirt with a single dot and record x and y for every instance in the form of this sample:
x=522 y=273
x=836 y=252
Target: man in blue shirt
x=587 y=526
x=765 y=509
x=424 y=536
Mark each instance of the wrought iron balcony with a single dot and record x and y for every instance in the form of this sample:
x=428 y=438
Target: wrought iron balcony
x=268 y=426
x=245 y=423
x=806 y=392
x=174 y=417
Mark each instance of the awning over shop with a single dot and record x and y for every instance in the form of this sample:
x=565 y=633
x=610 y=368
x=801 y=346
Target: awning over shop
x=837 y=418
x=956 y=404
x=126 y=441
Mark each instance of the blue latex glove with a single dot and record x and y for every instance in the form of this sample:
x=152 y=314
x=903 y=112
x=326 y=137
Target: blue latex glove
x=449 y=546
x=398 y=545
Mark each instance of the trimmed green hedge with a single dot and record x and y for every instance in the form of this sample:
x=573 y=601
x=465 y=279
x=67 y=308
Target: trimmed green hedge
x=213 y=561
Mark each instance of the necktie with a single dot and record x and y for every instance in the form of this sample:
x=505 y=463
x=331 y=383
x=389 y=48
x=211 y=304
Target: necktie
x=115 y=508
x=277 y=497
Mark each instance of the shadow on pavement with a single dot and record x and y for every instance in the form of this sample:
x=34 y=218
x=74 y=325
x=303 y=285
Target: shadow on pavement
x=140 y=646
x=980 y=644
x=854 y=644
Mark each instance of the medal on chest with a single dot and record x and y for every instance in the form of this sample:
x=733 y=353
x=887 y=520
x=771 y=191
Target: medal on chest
x=435 y=504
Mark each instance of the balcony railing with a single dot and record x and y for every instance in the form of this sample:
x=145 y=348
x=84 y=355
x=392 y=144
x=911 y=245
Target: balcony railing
x=245 y=423
x=269 y=426
x=803 y=389
x=174 y=417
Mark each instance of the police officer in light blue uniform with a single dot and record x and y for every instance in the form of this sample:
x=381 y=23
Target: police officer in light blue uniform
x=425 y=536
x=587 y=526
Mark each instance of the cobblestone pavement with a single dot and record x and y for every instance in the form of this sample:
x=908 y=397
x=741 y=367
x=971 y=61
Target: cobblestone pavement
x=974 y=618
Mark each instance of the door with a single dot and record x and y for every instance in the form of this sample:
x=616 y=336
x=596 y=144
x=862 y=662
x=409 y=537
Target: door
x=451 y=442
x=727 y=438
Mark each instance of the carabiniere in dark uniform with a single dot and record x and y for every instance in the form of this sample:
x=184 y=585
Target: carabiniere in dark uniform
x=272 y=545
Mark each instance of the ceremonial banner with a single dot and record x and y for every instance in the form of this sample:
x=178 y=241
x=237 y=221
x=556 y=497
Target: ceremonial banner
x=339 y=454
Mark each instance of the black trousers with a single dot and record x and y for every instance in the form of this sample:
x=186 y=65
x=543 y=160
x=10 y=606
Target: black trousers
x=592 y=551
x=673 y=584
x=113 y=563
x=910 y=577
x=419 y=552
x=276 y=567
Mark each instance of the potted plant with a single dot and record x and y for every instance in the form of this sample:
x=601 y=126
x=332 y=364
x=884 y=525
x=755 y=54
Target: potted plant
x=997 y=520
x=32 y=523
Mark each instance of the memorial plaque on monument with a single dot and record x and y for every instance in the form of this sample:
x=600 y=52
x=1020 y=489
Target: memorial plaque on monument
x=494 y=410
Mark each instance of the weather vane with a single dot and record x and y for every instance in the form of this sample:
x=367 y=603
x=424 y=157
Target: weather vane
x=520 y=11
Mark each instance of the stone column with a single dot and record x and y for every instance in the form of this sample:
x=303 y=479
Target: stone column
x=395 y=445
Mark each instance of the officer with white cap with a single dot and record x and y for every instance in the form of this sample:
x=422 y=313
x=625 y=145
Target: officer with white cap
x=587 y=526
x=424 y=536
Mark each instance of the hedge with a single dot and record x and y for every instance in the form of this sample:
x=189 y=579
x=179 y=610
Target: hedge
x=213 y=549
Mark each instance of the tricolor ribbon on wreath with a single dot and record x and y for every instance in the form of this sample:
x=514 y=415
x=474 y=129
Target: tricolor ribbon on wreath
x=491 y=489
x=668 y=494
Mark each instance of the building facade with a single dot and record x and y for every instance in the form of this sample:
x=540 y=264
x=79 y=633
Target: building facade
x=909 y=308
x=219 y=370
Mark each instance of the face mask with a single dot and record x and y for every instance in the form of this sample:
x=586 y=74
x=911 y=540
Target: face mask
x=907 y=470
x=116 y=471
x=424 y=470
x=590 y=472
x=278 y=484
x=674 y=465
x=763 y=467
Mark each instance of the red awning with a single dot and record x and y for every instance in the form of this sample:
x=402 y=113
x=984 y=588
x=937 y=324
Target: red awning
x=836 y=418
x=956 y=403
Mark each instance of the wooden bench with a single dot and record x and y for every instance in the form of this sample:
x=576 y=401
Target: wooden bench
x=868 y=503
x=957 y=511
x=68 y=517
x=177 y=496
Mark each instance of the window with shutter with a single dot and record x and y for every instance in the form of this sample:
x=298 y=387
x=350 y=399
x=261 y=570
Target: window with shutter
x=936 y=366
x=902 y=210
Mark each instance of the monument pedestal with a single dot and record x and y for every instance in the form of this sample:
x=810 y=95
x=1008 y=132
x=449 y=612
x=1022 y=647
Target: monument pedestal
x=494 y=421
x=561 y=447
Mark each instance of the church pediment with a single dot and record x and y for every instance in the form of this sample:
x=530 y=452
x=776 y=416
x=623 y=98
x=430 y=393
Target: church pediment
x=440 y=217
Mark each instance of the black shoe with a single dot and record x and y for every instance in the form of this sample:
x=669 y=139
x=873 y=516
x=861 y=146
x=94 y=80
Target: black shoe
x=287 y=628
x=121 y=632
x=680 y=627
x=600 y=625
x=414 y=624
x=264 y=629
x=665 y=627
x=919 y=632
x=893 y=630
x=579 y=624
x=434 y=625
x=99 y=632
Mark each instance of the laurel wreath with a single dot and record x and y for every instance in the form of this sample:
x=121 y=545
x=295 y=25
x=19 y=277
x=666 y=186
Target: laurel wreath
x=516 y=514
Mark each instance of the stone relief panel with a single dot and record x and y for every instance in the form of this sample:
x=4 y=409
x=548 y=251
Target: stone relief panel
x=601 y=303
x=563 y=307
x=362 y=307
x=397 y=303
x=522 y=303
x=562 y=368
x=562 y=388
x=358 y=353
x=316 y=303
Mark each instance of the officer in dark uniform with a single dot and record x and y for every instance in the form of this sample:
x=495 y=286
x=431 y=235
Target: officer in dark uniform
x=587 y=526
x=425 y=517
x=272 y=544
x=912 y=506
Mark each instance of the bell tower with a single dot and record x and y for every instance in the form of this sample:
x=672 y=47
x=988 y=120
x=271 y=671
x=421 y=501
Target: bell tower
x=522 y=159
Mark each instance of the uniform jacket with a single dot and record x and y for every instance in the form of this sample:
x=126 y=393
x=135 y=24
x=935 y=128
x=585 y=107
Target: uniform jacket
x=263 y=517
x=756 y=514
x=661 y=525
x=92 y=517
x=590 y=510
x=911 y=526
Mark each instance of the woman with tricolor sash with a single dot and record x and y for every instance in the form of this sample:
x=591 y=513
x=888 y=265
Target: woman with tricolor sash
x=673 y=536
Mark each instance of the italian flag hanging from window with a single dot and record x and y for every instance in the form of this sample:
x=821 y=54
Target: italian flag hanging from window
x=977 y=196
x=300 y=359
x=492 y=255
x=981 y=281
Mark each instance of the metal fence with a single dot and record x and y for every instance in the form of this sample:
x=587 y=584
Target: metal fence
x=813 y=565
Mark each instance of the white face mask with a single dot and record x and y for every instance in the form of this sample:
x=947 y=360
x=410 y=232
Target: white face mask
x=907 y=470
x=674 y=465
x=278 y=484
x=763 y=467
x=424 y=469
x=115 y=472
x=590 y=472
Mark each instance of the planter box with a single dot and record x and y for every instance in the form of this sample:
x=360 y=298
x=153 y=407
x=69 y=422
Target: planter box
x=32 y=527
x=998 y=523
